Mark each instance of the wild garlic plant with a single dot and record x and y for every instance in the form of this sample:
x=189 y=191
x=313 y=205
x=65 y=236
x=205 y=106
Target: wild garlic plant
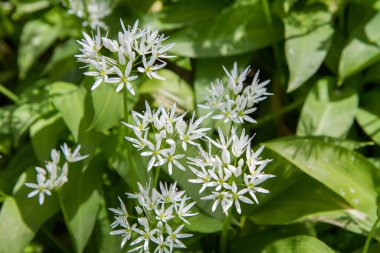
x=54 y=175
x=231 y=169
x=159 y=220
x=136 y=52
x=235 y=102
x=92 y=12
x=163 y=135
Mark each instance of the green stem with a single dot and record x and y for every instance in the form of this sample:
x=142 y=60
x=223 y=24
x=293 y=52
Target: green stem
x=279 y=113
x=9 y=94
x=156 y=176
x=276 y=50
x=370 y=235
x=224 y=234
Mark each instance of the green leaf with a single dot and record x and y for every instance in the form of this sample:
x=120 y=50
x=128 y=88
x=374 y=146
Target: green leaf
x=173 y=90
x=108 y=107
x=239 y=29
x=80 y=201
x=21 y=217
x=71 y=106
x=309 y=34
x=298 y=244
x=36 y=37
x=204 y=224
x=300 y=200
x=327 y=111
x=45 y=134
x=362 y=49
x=20 y=161
x=368 y=116
x=180 y=13
x=332 y=166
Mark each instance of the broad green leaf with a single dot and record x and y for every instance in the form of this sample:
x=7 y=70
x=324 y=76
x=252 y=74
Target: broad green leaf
x=180 y=13
x=61 y=52
x=327 y=112
x=308 y=38
x=80 y=201
x=298 y=244
x=25 y=115
x=239 y=29
x=36 y=37
x=368 y=116
x=370 y=123
x=45 y=134
x=108 y=107
x=332 y=166
x=71 y=106
x=20 y=161
x=173 y=90
x=21 y=217
x=300 y=200
x=204 y=224
x=362 y=49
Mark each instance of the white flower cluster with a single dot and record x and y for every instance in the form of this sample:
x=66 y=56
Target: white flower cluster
x=91 y=11
x=232 y=172
x=54 y=176
x=235 y=102
x=137 y=51
x=157 y=133
x=159 y=221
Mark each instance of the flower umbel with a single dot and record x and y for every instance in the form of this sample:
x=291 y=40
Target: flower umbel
x=156 y=226
x=233 y=172
x=236 y=102
x=54 y=176
x=136 y=52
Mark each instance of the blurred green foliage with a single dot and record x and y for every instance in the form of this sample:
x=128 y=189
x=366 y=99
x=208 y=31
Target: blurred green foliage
x=321 y=127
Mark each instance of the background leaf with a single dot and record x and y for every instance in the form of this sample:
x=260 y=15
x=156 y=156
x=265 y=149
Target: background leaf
x=239 y=29
x=298 y=244
x=308 y=36
x=327 y=111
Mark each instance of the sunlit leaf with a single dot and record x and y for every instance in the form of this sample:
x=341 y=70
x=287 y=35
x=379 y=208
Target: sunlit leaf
x=238 y=29
x=368 y=115
x=309 y=34
x=20 y=219
x=362 y=49
x=298 y=244
x=80 y=202
x=332 y=166
x=36 y=37
x=327 y=111
x=44 y=134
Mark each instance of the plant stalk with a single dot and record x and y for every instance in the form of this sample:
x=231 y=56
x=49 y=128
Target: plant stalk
x=9 y=94
x=370 y=235
x=224 y=234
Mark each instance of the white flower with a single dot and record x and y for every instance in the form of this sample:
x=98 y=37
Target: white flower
x=239 y=195
x=41 y=188
x=155 y=152
x=124 y=78
x=171 y=159
x=145 y=235
x=72 y=157
x=233 y=102
x=159 y=217
x=149 y=69
x=101 y=74
x=174 y=237
x=53 y=176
